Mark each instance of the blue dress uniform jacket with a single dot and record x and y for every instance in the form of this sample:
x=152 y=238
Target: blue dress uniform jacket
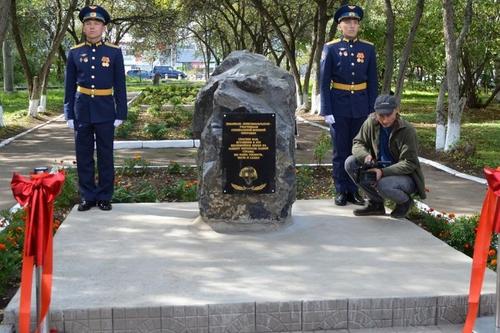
x=349 y=63
x=95 y=66
x=95 y=96
x=348 y=83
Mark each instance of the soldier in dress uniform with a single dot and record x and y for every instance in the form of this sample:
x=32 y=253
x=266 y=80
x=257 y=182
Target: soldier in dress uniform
x=95 y=102
x=348 y=91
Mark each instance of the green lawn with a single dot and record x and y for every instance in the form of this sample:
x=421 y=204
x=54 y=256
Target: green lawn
x=18 y=101
x=15 y=107
x=480 y=128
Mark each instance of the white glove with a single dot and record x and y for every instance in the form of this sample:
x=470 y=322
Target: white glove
x=329 y=119
x=117 y=122
x=70 y=123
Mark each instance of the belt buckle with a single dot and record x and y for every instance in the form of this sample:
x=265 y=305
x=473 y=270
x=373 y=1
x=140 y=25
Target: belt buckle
x=92 y=92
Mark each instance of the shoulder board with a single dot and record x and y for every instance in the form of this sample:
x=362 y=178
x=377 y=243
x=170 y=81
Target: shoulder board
x=333 y=41
x=77 y=46
x=112 y=45
x=366 y=42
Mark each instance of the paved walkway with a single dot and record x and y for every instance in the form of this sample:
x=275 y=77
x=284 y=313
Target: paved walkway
x=327 y=270
x=53 y=144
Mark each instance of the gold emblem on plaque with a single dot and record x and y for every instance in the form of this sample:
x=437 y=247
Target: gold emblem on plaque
x=249 y=175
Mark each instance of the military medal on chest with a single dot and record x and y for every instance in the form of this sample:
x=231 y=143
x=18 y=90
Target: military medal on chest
x=342 y=51
x=84 y=58
x=105 y=61
x=360 y=57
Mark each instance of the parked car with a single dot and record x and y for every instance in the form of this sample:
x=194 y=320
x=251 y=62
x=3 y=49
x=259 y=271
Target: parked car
x=140 y=74
x=169 y=72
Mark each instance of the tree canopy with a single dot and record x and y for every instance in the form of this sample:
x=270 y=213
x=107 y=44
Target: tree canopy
x=410 y=48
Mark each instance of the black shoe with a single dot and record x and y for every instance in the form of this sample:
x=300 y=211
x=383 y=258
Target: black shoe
x=355 y=198
x=104 y=205
x=85 y=205
x=341 y=199
x=401 y=210
x=373 y=208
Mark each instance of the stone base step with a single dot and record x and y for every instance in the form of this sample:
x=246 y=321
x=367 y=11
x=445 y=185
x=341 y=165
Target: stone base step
x=152 y=268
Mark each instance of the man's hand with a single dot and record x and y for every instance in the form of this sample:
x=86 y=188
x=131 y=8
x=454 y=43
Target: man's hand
x=368 y=159
x=377 y=171
x=117 y=122
x=70 y=123
x=329 y=119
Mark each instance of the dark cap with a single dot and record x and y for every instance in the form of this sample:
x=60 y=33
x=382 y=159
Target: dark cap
x=385 y=104
x=94 y=13
x=348 y=11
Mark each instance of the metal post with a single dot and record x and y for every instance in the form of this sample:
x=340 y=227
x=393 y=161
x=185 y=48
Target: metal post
x=497 y=313
x=44 y=326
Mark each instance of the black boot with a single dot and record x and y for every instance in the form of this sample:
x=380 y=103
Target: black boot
x=355 y=198
x=85 y=205
x=401 y=210
x=373 y=208
x=341 y=199
x=104 y=205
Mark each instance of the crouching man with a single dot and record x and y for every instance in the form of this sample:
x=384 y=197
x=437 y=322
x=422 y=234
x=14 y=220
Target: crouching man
x=384 y=160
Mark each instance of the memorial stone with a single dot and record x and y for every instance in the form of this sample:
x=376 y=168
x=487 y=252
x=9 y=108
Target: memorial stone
x=245 y=119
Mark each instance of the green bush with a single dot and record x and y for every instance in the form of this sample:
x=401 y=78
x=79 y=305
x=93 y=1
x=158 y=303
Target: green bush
x=69 y=193
x=126 y=128
x=175 y=94
x=156 y=131
x=304 y=179
x=462 y=234
x=136 y=166
x=141 y=192
x=323 y=146
x=174 y=168
x=122 y=195
x=182 y=191
x=155 y=110
x=11 y=247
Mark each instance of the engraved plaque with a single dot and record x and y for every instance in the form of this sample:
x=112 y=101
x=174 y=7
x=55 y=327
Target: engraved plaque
x=249 y=153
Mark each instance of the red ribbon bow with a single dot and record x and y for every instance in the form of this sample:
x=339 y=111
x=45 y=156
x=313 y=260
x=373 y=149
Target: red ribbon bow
x=488 y=222
x=37 y=196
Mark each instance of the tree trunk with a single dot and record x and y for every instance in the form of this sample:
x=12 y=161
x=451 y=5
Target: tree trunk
x=333 y=27
x=34 y=99
x=288 y=46
x=61 y=63
x=497 y=77
x=496 y=92
x=469 y=86
x=207 y=63
x=388 y=49
x=16 y=33
x=320 y=42
x=42 y=107
x=40 y=83
x=403 y=62
x=444 y=85
x=312 y=55
x=454 y=110
x=2 y=124
x=471 y=77
x=8 y=67
x=441 y=117
x=4 y=18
